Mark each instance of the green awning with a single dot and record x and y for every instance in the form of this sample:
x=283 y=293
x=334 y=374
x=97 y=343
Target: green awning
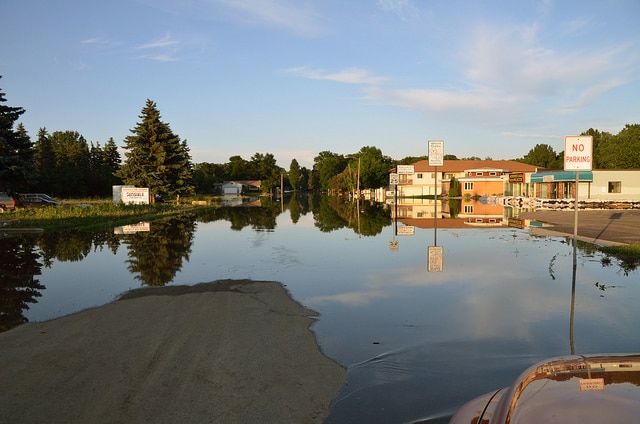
x=561 y=176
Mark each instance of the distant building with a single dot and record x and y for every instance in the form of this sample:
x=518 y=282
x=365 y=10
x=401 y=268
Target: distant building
x=476 y=177
x=599 y=184
x=236 y=188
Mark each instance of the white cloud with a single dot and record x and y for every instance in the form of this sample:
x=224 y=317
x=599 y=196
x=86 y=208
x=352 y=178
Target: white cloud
x=354 y=299
x=506 y=71
x=405 y=9
x=347 y=76
x=292 y=15
x=166 y=41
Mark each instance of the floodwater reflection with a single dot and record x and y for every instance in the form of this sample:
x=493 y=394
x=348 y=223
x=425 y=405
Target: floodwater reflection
x=417 y=344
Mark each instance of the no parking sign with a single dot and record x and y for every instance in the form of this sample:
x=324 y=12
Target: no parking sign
x=578 y=153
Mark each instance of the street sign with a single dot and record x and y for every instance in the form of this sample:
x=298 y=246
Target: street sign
x=405 y=169
x=436 y=152
x=406 y=230
x=578 y=153
x=393 y=179
x=434 y=258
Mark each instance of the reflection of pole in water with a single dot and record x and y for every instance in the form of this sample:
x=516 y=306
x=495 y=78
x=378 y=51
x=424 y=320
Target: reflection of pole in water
x=575 y=266
x=573 y=295
x=435 y=208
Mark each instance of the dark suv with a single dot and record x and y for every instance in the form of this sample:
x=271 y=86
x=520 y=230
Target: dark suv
x=7 y=202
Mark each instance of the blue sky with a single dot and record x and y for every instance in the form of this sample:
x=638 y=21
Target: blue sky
x=296 y=77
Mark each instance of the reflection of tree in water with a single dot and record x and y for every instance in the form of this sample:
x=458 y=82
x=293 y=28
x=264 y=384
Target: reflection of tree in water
x=294 y=208
x=156 y=256
x=258 y=218
x=334 y=213
x=18 y=287
x=75 y=245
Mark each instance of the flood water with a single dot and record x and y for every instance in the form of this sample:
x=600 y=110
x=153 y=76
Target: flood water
x=417 y=344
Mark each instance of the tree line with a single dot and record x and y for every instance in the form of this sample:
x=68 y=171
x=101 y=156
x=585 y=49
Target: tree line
x=64 y=164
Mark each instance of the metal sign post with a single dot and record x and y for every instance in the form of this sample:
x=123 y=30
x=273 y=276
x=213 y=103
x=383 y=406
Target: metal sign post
x=578 y=155
x=436 y=158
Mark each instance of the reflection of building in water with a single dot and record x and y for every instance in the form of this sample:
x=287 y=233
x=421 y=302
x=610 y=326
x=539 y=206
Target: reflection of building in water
x=476 y=177
x=486 y=179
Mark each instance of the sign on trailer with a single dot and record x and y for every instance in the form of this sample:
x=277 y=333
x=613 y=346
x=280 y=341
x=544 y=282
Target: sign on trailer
x=578 y=153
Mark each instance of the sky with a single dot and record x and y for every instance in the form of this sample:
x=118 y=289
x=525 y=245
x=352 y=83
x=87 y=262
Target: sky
x=297 y=77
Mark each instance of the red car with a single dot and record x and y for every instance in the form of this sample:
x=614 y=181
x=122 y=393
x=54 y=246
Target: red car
x=573 y=389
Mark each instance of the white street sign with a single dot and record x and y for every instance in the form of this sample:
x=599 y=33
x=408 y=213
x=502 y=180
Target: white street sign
x=436 y=152
x=578 y=153
x=405 y=169
x=393 y=179
x=406 y=230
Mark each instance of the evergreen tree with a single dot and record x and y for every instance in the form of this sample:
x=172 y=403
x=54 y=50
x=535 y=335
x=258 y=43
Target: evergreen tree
x=156 y=158
x=72 y=163
x=112 y=162
x=17 y=171
x=45 y=161
x=96 y=180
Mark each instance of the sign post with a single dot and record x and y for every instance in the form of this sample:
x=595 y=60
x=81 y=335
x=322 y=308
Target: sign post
x=436 y=158
x=578 y=155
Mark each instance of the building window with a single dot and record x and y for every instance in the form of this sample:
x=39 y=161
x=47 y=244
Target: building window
x=479 y=174
x=615 y=186
x=468 y=208
x=468 y=186
x=493 y=174
x=420 y=176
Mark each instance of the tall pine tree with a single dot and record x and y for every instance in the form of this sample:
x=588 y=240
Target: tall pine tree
x=17 y=172
x=156 y=158
x=45 y=161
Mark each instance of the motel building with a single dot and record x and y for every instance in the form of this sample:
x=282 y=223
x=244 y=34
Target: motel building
x=477 y=178
x=497 y=179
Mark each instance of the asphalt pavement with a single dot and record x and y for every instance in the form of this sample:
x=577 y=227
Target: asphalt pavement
x=601 y=227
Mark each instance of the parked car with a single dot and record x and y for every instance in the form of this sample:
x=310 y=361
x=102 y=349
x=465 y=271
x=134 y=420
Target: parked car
x=7 y=202
x=37 y=200
x=578 y=389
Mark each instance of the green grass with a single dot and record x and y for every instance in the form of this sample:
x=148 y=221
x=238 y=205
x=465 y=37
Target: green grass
x=628 y=254
x=93 y=216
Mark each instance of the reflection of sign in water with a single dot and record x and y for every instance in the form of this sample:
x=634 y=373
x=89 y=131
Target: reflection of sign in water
x=393 y=245
x=434 y=258
x=406 y=230
x=436 y=153
x=588 y=384
x=405 y=169
x=133 y=228
x=516 y=223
